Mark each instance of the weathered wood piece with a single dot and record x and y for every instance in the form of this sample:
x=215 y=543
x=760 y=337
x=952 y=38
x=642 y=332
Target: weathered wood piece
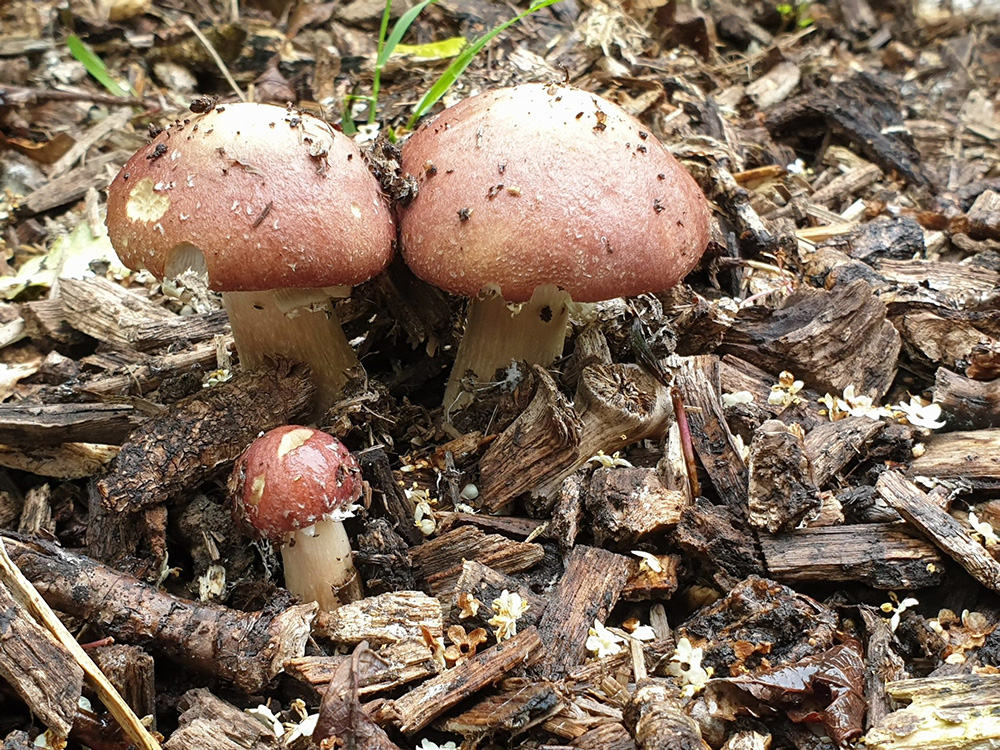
x=590 y=347
x=486 y=584
x=423 y=704
x=75 y=183
x=781 y=490
x=29 y=426
x=520 y=705
x=387 y=669
x=656 y=719
x=386 y=618
x=66 y=461
x=589 y=589
x=885 y=665
x=440 y=559
x=698 y=379
x=37 y=666
x=883 y=556
x=949 y=285
x=945 y=337
x=898 y=238
x=247 y=649
x=177 y=451
x=544 y=440
x=567 y=513
x=830 y=446
x=627 y=505
x=945 y=532
x=210 y=722
x=131 y=670
x=646 y=584
x=944 y=713
x=983 y=219
x=608 y=735
x=969 y=455
x=967 y=404
x=716 y=538
x=147 y=375
x=828 y=339
x=115 y=315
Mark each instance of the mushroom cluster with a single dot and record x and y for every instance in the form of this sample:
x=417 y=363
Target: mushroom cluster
x=537 y=194
x=277 y=208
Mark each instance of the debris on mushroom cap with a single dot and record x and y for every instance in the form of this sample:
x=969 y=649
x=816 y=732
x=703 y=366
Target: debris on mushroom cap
x=272 y=197
x=291 y=478
x=539 y=184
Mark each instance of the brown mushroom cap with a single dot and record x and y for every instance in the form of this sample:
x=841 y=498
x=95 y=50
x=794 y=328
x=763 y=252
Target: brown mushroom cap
x=538 y=184
x=273 y=198
x=290 y=478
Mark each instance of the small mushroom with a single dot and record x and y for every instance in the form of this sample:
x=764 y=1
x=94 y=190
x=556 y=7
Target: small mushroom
x=294 y=486
x=276 y=207
x=542 y=194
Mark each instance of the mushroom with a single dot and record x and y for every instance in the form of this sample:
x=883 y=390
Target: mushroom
x=294 y=486
x=276 y=207
x=538 y=194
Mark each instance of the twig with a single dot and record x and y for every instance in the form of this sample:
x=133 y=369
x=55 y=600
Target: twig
x=22 y=588
x=686 y=445
x=215 y=56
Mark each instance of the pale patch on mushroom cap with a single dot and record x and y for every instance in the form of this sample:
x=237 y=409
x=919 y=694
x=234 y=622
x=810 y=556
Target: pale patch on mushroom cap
x=289 y=479
x=538 y=184
x=272 y=197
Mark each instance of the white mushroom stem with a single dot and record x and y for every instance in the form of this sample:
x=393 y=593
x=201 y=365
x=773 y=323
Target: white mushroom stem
x=319 y=567
x=495 y=334
x=296 y=324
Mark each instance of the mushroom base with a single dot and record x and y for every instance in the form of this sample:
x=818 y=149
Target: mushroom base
x=495 y=336
x=319 y=567
x=296 y=324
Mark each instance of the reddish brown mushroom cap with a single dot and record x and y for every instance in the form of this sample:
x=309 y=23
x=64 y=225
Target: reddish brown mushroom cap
x=273 y=198
x=291 y=478
x=539 y=184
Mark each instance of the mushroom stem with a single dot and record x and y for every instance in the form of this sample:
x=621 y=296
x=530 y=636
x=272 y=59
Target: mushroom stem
x=495 y=335
x=319 y=566
x=296 y=324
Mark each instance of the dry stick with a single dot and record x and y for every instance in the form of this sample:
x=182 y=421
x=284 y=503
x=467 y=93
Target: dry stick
x=12 y=577
x=215 y=56
x=686 y=445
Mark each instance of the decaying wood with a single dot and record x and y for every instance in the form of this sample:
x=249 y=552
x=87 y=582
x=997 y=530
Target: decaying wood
x=950 y=285
x=781 y=488
x=37 y=666
x=440 y=559
x=883 y=665
x=245 y=648
x=967 y=404
x=698 y=379
x=54 y=424
x=115 y=315
x=512 y=526
x=716 y=538
x=151 y=371
x=210 y=722
x=608 y=735
x=656 y=718
x=830 y=446
x=383 y=619
x=883 y=556
x=627 y=505
x=567 y=513
x=968 y=455
x=66 y=461
x=130 y=670
x=544 y=440
x=520 y=705
x=201 y=434
x=486 y=584
x=944 y=337
x=424 y=703
x=36 y=513
x=984 y=217
x=590 y=347
x=389 y=499
x=944 y=713
x=945 y=532
x=588 y=590
x=75 y=183
x=828 y=339
x=897 y=238
x=646 y=584
x=379 y=671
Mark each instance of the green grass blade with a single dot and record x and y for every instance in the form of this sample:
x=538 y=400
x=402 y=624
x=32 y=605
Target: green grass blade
x=441 y=86
x=386 y=46
x=96 y=67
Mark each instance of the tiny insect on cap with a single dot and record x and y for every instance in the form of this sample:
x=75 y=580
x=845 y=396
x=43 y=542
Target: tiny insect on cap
x=291 y=478
x=273 y=199
x=537 y=184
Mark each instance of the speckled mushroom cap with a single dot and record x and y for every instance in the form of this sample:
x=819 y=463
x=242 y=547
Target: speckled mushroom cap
x=538 y=184
x=272 y=197
x=290 y=478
